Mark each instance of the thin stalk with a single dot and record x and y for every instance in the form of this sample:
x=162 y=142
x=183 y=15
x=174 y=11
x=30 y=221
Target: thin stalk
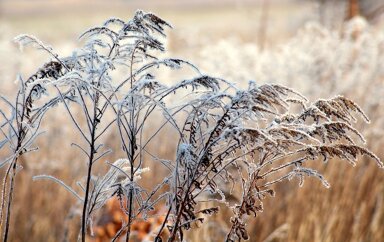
x=89 y=173
x=11 y=190
x=132 y=149
x=158 y=236
x=97 y=114
x=21 y=135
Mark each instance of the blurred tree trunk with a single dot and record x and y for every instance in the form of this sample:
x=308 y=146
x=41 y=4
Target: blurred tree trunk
x=322 y=11
x=263 y=24
x=369 y=9
x=353 y=9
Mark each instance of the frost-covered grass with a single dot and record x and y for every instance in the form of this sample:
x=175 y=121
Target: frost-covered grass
x=356 y=202
x=225 y=140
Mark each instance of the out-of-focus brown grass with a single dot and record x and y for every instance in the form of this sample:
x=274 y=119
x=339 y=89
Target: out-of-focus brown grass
x=351 y=210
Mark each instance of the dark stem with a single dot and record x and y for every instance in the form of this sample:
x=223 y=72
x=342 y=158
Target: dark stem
x=132 y=148
x=91 y=156
x=158 y=236
x=21 y=136
x=132 y=155
x=97 y=114
x=11 y=190
x=129 y=215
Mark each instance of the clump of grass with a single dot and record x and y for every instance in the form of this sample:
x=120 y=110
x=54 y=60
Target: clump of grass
x=20 y=127
x=247 y=139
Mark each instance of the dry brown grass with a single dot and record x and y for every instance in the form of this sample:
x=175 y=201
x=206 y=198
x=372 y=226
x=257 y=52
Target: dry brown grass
x=351 y=210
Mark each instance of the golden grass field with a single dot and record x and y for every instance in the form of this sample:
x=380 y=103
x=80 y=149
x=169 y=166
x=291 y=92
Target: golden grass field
x=351 y=210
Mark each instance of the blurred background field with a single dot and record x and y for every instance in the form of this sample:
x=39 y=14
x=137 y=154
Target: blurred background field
x=320 y=48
